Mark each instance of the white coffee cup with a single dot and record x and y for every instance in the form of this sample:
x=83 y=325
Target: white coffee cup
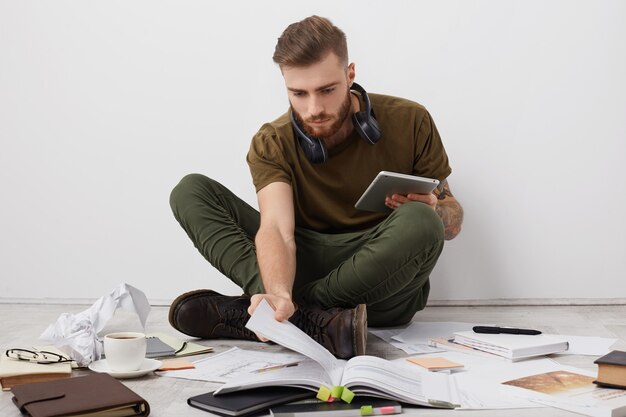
x=125 y=351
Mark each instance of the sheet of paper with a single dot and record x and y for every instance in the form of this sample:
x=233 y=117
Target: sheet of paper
x=588 y=345
x=387 y=336
x=421 y=332
x=233 y=363
x=414 y=339
x=479 y=382
x=570 y=389
x=287 y=334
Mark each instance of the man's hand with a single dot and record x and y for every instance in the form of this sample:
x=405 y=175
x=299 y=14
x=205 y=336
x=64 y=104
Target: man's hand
x=442 y=201
x=283 y=307
x=396 y=200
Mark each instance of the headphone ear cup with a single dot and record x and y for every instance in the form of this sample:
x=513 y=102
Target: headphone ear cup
x=366 y=126
x=364 y=121
x=313 y=148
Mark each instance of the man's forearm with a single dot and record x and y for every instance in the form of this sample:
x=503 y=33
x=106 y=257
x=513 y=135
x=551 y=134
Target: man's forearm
x=277 y=262
x=451 y=214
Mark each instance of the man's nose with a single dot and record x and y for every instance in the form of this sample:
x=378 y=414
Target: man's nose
x=316 y=106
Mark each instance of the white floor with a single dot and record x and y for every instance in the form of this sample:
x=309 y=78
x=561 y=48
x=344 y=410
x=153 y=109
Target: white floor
x=23 y=323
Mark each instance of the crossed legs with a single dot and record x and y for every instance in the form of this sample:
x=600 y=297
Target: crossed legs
x=386 y=267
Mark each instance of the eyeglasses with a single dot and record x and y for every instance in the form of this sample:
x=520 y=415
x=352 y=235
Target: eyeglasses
x=41 y=356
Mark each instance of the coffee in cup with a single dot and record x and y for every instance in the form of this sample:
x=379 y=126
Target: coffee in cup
x=125 y=351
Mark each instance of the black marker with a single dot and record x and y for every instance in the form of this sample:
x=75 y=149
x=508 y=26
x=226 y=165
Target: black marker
x=508 y=330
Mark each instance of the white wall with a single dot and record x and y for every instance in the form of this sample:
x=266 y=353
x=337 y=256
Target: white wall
x=105 y=105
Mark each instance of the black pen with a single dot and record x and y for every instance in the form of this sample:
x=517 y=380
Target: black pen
x=508 y=330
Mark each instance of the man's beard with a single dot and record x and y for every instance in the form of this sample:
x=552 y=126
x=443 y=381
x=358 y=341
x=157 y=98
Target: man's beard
x=325 y=132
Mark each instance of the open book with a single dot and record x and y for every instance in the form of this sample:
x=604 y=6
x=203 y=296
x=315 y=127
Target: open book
x=363 y=375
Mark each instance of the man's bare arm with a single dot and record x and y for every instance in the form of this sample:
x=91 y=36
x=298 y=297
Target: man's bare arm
x=276 y=248
x=450 y=211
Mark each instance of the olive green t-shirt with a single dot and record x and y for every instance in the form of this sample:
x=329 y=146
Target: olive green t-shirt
x=324 y=194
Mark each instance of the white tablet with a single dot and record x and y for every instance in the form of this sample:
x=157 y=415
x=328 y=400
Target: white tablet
x=387 y=183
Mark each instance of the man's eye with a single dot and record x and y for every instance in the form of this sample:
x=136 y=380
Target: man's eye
x=328 y=90
x=297 y=94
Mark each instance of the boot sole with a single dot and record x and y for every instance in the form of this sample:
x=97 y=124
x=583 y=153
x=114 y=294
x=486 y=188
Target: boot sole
x=360 y=324
x=180 y=300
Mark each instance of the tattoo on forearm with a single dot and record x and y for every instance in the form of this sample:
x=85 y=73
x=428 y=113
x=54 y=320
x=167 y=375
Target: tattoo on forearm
x=452 y=217
x=444 y=193
x=451 y=212
x=443 y=190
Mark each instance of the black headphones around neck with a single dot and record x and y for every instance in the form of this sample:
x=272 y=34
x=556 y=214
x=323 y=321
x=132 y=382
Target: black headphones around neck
x=363 y=121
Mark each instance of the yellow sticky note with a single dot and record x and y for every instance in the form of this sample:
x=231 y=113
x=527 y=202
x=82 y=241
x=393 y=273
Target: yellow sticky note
x=323 y=393
x=336 y=391
x=347 y=395
x=175 y=365
x=435 y=363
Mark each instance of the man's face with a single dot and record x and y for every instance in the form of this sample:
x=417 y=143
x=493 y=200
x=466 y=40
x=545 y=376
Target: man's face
x=319 y=95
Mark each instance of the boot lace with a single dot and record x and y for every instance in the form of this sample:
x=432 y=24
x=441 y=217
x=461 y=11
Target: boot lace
x=310 y=322
x=235 y=321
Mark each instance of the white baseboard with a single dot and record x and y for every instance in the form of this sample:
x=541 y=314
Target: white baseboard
x=431 y=303
x=529 y=302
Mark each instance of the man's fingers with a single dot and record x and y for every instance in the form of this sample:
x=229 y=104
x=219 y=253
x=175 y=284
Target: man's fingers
x=254 y=303
x=261 y=337
x=281 y=315
x=283 y=309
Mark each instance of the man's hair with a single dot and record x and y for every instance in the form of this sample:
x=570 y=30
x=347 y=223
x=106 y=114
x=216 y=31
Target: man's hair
x=309 y=41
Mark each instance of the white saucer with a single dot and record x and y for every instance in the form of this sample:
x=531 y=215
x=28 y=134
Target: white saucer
x=147 y=366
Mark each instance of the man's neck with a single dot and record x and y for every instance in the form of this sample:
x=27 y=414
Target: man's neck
x=346 y=129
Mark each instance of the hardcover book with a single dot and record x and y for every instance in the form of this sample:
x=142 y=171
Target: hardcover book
x=243 y=403
x=612 y=369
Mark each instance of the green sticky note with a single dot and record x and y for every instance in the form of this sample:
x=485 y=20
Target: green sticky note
x=336 y=391
x=323 y=393
x=347 y=395
x=366 y=410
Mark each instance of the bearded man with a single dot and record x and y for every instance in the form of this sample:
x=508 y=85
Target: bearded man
x=321 y=263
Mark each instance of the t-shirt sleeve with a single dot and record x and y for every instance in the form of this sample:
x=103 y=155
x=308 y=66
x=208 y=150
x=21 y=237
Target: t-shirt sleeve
x=266 y=160
x=431 y=159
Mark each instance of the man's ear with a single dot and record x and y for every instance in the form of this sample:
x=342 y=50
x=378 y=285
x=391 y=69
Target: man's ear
x=351 y=73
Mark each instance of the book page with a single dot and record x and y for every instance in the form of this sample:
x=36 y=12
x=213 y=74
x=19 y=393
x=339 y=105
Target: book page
x=286 y=334
x=306 y=374
x=379 y=377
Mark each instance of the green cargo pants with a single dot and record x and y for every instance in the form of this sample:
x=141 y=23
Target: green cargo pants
x=386 y=267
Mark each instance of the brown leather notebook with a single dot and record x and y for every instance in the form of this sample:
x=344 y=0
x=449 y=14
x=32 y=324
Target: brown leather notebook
x=79 y=396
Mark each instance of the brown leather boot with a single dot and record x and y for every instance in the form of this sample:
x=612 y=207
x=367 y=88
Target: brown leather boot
x=209 y=315
x=343 y=331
